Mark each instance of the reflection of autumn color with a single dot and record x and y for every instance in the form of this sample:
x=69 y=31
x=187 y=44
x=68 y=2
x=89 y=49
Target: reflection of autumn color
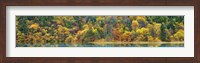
x=40 y=30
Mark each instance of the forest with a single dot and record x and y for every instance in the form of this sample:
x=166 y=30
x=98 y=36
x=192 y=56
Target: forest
x=99 y=31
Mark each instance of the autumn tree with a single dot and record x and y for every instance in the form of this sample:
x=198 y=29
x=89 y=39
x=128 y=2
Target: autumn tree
x=135 y=25
x=179 y=35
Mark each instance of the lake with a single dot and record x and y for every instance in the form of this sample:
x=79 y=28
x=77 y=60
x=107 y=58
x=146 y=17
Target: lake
x=109 y=44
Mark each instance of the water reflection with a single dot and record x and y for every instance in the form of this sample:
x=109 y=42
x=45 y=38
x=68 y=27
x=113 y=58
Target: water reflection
x=109 y=44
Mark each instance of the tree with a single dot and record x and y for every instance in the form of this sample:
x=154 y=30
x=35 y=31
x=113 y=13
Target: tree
x=171 y=26
x=179 y=35
x=168 y=35
x=156 y=29
x=135 y=25
x=126 y=36
x=163 y=32
x=151 y=29
x=142 y=21
x=150 y=39
x=34 y=26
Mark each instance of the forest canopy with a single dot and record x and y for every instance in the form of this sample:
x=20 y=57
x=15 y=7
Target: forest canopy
x=42 y=31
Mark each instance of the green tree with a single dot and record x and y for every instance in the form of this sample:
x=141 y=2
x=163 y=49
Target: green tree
x=162 y=32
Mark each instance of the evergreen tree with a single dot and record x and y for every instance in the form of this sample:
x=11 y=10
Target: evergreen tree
x=162 y=32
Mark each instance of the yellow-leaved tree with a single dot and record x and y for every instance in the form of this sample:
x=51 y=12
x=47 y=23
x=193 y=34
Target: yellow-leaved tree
x=34 y=26
x=179 y=35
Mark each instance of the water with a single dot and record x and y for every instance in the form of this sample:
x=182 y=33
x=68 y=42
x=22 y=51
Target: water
x=106 y=45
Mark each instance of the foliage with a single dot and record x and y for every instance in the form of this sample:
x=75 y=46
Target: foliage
x=53 y=30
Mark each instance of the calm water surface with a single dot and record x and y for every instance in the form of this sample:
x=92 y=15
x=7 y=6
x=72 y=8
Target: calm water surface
x=106 y=45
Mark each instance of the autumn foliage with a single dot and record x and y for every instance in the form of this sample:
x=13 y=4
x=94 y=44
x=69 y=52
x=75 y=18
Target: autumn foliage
x=55 y=30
